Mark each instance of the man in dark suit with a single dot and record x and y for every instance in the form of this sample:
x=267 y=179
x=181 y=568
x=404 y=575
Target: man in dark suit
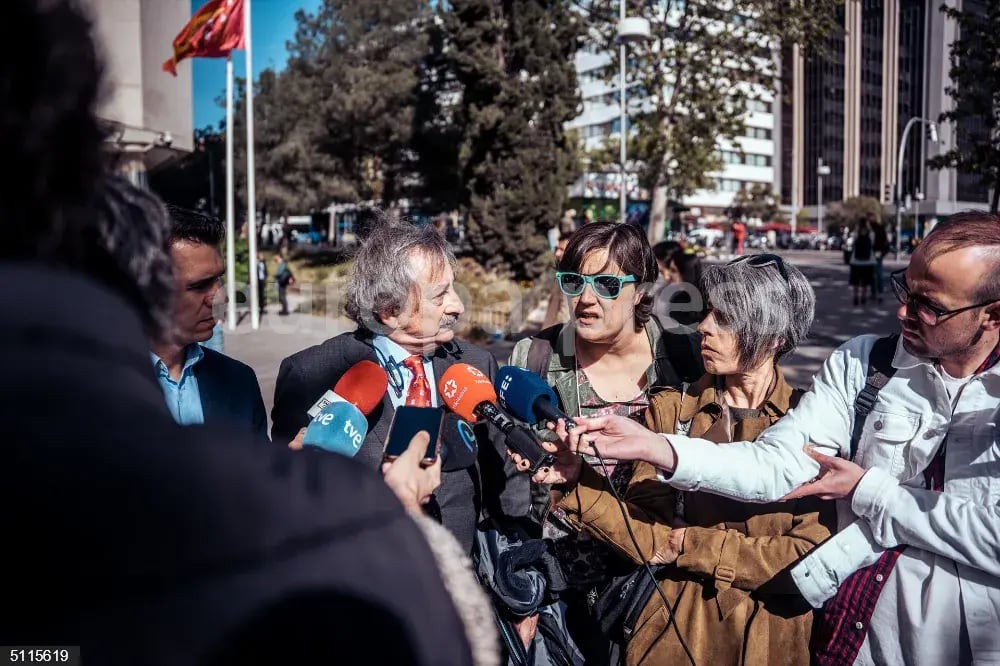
x=137 y=539
x=200 y=384
x=401 y=293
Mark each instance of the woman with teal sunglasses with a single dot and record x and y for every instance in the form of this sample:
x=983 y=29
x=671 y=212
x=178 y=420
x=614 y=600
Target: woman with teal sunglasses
x=610 y=358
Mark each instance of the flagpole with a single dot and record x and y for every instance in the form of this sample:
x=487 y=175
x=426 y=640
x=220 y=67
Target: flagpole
x=251 y=185
x=230 y=205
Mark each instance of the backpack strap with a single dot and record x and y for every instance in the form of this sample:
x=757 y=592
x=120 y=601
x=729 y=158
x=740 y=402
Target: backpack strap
x=540 y=350
x=880 y=371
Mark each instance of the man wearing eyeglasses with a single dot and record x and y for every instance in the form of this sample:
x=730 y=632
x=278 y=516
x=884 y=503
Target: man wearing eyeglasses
x=913 y=574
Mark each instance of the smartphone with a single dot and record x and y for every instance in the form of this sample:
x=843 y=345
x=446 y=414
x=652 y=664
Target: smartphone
x=407 y=422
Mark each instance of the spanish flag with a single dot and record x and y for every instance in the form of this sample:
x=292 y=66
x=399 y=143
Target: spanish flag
x=214 y=31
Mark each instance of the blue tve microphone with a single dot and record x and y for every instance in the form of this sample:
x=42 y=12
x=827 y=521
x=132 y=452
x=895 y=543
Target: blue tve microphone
x=526 y=396
x=340 y=427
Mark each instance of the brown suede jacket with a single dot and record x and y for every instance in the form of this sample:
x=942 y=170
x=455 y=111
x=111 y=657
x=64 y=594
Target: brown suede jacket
x=733 y=600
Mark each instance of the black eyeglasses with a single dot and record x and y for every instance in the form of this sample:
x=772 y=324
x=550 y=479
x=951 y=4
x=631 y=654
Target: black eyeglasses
x=761 y=260
x=605 y=286
x=919 y=306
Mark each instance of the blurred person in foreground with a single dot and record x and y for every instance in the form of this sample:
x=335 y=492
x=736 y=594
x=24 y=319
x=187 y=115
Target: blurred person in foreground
x=202 y=385
x=140 y=540
x=901 y=431
x=611 y=358
x=732 y=600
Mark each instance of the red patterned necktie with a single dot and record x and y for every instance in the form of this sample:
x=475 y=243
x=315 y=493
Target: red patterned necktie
x=419 y=393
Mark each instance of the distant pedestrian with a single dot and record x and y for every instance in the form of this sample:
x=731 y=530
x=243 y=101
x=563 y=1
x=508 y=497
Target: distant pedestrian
x=862 y=277
x=739 y=237
x=262 y=283
x=284 y=277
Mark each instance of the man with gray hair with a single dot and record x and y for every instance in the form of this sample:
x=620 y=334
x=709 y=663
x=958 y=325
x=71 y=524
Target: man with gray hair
x=401 y=293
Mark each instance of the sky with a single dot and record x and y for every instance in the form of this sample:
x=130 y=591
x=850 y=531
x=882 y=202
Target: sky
x=272 y=24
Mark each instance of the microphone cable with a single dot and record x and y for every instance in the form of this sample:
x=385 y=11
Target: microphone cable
x=671 y=619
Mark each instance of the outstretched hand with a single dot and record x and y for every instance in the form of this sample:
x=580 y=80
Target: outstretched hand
x=837 y=478
x=618 y=437
x=565 y=469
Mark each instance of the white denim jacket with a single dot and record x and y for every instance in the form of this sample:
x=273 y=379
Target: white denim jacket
x=941 y=604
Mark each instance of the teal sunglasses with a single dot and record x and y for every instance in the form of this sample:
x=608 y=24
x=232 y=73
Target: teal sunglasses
x=605 y=286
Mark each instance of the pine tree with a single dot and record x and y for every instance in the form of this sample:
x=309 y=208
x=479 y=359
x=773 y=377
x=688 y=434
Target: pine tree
x=513 y=61
x=436 y=134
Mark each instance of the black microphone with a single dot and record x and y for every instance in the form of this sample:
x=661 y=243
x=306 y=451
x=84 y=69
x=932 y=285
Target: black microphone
x=528 y=397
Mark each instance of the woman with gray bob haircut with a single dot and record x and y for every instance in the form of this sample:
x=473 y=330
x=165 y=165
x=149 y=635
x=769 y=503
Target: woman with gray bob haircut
x=384 y=281
x=765 y=302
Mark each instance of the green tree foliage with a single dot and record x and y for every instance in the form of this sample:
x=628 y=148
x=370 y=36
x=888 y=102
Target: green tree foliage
x=513 y=62
x=847 y=213
x=975 y=91
x=692 y=83
x=437 y=135
x=338 y=123
x=758 y=202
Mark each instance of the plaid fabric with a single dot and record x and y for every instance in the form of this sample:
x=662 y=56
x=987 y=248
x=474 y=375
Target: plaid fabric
x=842 y=626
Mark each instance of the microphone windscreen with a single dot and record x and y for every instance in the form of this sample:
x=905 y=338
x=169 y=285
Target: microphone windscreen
x=462 y=387
x=339 y=428
x=518 y=390
x=363 y=385
x=459 y=448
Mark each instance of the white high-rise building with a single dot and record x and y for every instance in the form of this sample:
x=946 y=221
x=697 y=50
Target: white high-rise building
x=600 y=121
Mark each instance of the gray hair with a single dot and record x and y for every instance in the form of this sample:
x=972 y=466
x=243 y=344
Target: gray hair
x=382 y=281
x=769 y=314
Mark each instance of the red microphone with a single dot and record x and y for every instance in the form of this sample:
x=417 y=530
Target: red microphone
x=363 y=385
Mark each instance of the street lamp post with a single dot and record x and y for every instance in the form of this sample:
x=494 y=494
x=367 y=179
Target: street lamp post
x=933 y=136
x=629 y=30
x=821 y=170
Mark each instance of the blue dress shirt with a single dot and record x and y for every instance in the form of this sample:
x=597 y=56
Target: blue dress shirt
x=391 y=355
x=183 y=397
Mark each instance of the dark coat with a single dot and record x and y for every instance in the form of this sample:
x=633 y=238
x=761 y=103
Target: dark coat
x=230 y=393
x=146 y=542
x=305 y=376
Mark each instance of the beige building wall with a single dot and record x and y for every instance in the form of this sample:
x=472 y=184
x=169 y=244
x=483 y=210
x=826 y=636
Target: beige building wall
x=152 y=110
x=890 y=100
x=852 y=98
